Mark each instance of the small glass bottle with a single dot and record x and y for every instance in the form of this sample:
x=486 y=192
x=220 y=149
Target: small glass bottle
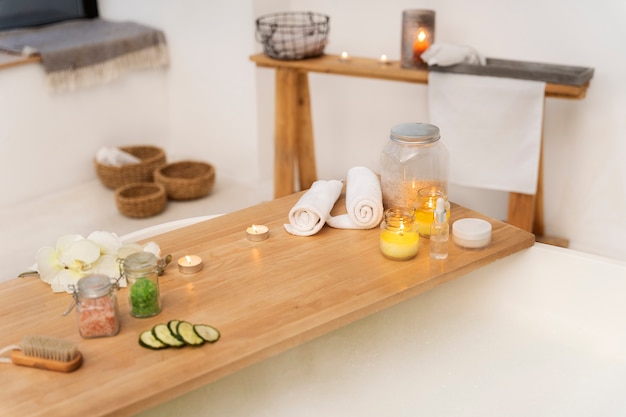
x=399 y=239
x=96 y=307
x=439 y=232
x=414 y=158
x=141 y=272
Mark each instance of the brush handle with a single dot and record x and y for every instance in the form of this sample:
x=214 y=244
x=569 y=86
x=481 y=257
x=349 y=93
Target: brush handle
x=21 y=359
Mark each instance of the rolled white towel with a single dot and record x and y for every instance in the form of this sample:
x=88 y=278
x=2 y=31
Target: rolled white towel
x=364 y=201
x=115 y=157
x=444 y=55
x=310 y=213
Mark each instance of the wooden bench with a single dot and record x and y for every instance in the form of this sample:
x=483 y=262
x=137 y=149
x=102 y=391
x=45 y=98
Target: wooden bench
x=294 y=142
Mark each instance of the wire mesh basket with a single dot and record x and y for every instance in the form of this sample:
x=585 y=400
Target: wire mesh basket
x=293 y=35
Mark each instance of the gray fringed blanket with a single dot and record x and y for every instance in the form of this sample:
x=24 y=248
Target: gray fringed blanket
x=82 y=52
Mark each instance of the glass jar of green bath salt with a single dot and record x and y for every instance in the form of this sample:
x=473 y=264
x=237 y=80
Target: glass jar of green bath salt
x=141 y=273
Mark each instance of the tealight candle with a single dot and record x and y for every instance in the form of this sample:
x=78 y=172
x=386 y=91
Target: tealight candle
x=399 y=239
x=344 y=57
x=257 y=233
x=189 y=264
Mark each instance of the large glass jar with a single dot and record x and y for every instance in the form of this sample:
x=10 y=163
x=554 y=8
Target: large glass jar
x=414 y=158
x=96 y=307
x=141 y=272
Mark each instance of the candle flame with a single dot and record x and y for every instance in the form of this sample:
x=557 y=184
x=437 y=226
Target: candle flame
x=383 y=58
x=254 y=229
x=421 y=35
x=188 y=259
x=344 y=55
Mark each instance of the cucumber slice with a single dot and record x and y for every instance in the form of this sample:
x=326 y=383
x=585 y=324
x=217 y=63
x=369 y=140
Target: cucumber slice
x=162 y=332
x=147 y=340
x=208 y=333
x=185 y=330
x=172 y=325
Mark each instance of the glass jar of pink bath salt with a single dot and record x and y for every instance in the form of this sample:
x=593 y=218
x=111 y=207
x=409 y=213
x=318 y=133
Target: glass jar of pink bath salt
x=96 y=307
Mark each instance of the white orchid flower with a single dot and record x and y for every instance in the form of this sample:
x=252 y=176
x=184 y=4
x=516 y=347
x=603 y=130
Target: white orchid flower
x=75 y=257
x=64 y=265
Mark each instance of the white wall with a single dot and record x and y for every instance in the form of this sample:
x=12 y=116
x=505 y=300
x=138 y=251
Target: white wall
x=47 y=141
x=214 y=105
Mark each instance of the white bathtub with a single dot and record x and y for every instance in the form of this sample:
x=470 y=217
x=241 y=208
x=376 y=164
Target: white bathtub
x=540 y=333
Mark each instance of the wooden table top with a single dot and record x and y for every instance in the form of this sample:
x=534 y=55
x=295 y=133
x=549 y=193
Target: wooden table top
x=392 y=71
x=265 y=297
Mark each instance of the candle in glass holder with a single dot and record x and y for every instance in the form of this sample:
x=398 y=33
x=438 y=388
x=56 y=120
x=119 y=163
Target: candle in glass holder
x=418 y=34
x=399 y=238
x=425 y=209
x=420 y=44
x=189 y=264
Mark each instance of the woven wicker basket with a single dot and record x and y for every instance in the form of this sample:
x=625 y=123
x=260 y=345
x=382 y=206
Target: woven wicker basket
x=142 y=199
x=293 y=35
x=115 y=177
x=186 y=180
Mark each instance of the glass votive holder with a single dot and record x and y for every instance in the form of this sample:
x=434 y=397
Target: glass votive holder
x=399 y=239
x=418 y=34
x=425 y=209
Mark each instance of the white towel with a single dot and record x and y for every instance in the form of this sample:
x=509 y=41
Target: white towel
x=115 y=157
x=312 y=211
x=364 y=201
x=491 y=127
x=443 y=55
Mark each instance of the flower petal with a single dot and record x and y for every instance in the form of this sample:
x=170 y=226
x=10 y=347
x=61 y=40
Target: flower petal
x=153 y=247
x=65 y=278
x=107 y=265
x=109 y=243
x=47 y=264
x=80 y=254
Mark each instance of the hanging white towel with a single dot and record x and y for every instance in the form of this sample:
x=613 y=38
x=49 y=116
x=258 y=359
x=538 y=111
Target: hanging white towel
x=364 y=201
x=312 y=210
x=491 y=127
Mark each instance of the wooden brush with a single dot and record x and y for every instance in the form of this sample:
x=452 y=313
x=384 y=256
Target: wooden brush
x=44 y=352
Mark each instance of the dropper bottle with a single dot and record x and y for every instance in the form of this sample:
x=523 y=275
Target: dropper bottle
x=439 y=232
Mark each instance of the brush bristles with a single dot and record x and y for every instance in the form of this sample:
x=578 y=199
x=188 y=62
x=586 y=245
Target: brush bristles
x=51 y=348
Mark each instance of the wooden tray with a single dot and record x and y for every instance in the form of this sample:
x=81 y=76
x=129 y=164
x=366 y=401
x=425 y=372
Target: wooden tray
x=265 y=297
x=550 y=73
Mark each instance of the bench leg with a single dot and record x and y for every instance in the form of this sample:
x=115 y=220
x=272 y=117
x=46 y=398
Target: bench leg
x=307 y=172
x=285 y=131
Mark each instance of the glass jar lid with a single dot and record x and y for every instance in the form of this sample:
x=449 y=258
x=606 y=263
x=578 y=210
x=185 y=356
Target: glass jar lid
x=140 y=262
x=93 y=286
x=415 y=133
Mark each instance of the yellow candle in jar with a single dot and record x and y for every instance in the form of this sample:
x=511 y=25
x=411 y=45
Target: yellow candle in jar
x=425 y=210
x=399 y=238
x=399 y=246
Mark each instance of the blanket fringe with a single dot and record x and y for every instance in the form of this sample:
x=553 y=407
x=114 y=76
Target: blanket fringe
x=72 y=79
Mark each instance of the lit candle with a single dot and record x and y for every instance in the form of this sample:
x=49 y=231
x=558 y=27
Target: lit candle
x=383 y=60
x=425 y=210
x=257 y=233
x=189 y=264
x=344 y=57
x=399 y=238
x=420 y=44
